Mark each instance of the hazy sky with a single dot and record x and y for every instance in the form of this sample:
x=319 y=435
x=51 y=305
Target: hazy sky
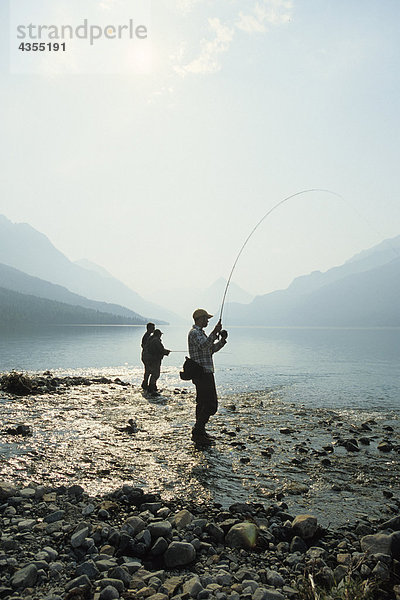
x=157 y=162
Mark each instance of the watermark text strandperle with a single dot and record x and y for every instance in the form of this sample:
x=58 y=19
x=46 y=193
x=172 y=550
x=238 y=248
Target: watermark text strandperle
x=85 y=31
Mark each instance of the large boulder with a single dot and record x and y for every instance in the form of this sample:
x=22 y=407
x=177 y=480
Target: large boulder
x=305 y=526
x=378 y=543
x=242 y=535
x=160 y=529
x=179 y=554
x=181 y=519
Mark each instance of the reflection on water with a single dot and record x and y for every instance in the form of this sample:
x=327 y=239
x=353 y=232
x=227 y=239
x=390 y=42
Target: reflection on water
x=318 y=367
x=316 y=382
x=81 y=436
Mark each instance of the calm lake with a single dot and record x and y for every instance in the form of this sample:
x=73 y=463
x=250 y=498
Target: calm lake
x=355 y=368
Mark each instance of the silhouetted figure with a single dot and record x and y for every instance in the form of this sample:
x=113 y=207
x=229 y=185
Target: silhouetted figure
x=150 y=327
x=201 y=349
x=156 y=352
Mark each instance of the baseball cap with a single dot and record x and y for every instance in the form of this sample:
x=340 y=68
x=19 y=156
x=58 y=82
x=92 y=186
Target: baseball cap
x=200 y=312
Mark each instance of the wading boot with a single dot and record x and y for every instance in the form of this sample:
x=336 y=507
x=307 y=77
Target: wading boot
x=201 y=438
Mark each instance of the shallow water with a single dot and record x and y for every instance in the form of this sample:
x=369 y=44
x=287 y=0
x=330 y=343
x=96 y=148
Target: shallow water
x=317 y=382
x=80 y=436
x=336 y=368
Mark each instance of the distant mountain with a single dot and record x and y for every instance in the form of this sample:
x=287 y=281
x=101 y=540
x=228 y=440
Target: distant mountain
x=91 y=266
x=363 y=292
x=366 y=299
x=185 y=300
x=17 y=281
x=378 y=255
x=24 y=248
x=22 y=310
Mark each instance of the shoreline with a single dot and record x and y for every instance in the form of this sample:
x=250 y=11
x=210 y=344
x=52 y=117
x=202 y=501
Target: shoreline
x=335 y=463
x=77 y=465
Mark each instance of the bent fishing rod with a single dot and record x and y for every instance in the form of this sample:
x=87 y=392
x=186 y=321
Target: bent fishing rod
x=256 y=227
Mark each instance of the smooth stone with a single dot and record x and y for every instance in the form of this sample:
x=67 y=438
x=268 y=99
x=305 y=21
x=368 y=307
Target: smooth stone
x=7 y=490
x=116 y=583
x=216 y=534
x=250 y=583
x=109 y=593
x=78 y=538
x=305 y=526
x=152 y=507
x=25 y=577
x=54 y=527
x=243 y=535
x=103 y=514
x=159 y=547
x=87 y=568
x=275 y=579
x=26 y=524
x=134 y=525
x=105 y=564
x=27 y=493
x=57 y=515
x=130 y=564
x=298 y=545
x=160 y=529
x=224 y=578
x=179 y=554
x=339 y=573
x=122 y=574
x=88 y=510
x=181 y=519
x=192 y=587
x=379 y=543
x=82 y=581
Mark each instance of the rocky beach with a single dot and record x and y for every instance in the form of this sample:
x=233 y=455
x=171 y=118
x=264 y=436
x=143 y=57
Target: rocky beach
x=103 y=495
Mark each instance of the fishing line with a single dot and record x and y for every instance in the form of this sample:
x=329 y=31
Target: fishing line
x=259 y=223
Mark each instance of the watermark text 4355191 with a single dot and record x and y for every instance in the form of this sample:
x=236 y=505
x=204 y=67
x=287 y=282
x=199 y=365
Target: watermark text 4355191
x=106 y=38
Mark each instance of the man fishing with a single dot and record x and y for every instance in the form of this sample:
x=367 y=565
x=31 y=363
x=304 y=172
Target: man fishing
x=156 y=352
x=201 y=349
x=150 y=327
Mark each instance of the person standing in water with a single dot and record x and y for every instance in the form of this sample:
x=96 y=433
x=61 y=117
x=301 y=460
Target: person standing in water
x=150 y=327
x=156 y=352
x=201 y=350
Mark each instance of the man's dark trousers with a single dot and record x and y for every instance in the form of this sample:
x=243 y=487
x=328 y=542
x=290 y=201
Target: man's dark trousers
x=206 y=400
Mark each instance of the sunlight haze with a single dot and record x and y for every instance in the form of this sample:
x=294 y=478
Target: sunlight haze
x=158 y=168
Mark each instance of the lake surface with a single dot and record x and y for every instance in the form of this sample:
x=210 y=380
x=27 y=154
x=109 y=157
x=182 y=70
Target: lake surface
x=285 y=395
x=333 y=368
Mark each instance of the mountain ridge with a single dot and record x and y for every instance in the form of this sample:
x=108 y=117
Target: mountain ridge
x=361 y=292
x=17 y=281
x=25 y=310
x=30 y=251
